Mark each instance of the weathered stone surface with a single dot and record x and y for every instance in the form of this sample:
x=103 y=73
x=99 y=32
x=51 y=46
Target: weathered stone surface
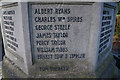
x=59 y=40
x=11 y=70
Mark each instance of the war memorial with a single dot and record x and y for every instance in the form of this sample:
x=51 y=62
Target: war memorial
x=56 y=39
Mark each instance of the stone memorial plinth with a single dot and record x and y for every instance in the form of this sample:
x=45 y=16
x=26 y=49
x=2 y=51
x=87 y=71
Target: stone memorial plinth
x=58 y=39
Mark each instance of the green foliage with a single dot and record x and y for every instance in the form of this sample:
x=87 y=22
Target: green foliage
x=117 y=31
x=117 y=28
x=118 y=12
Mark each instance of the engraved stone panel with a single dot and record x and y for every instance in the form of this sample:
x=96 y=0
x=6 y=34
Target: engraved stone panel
x=106 y=28
x=60 y=32
x=11 y=24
